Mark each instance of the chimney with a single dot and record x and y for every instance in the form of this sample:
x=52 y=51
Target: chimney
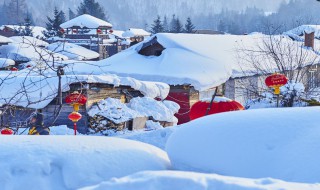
x=309 y=39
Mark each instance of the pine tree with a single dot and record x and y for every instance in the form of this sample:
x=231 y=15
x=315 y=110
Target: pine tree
x=172 y=24
x=178 y=28
x=165 y=24
x=92 y=8
x=53 y=24
x=62 y=17
x=16 y=11
x=189 y=27
x=157 y=26
x=71 y=14
x=27 y=31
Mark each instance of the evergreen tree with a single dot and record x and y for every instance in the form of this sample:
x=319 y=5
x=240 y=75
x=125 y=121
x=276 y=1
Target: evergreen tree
x=157 y=26
x=178 y=28
x=16 y=11
x=62 y=17
x=53 y=24
x=172 y=24
x=71 y=14
x=93 y=8
x=165 y=24
x=189 y=27
x=27 y=30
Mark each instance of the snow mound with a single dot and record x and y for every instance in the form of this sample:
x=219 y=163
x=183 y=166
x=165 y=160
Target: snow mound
x=113 y=110
x=6 y=62
x=32 y=41
x=278 y=143
x=69 y=162
x=73 y=51
x=151 y=180
x=87 y=21
x=160 y=111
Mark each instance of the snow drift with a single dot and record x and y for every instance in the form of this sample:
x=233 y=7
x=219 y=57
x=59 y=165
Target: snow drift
x=278 y=143
x=65 y=162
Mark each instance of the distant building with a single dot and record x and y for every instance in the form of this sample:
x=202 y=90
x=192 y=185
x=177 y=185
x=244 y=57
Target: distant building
x=136 y=35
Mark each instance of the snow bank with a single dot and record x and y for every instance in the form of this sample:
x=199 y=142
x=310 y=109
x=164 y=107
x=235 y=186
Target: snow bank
x=68 y=162
x=151 y=180
x=73 y=51
x=132 y=32
x=32 y=41
x=6 y=62
x=160 y=111
x=4 y=40
x=278 y=143
x=87 y=21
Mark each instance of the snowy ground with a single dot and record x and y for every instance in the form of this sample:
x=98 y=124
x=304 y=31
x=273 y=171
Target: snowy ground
x=264 y=149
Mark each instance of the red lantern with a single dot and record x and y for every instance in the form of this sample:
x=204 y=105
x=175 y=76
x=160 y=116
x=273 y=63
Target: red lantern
x=76 y=99
x=75 y=117
x=276 y=81
x=62 y=30
x=111 y=31
x=199 y=109
x=6 y=131
x=28 y=66
x=14 y=69
x=99 y=31
x=74 y=31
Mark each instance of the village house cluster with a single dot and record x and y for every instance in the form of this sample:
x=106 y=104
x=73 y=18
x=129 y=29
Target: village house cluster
x=177 y=70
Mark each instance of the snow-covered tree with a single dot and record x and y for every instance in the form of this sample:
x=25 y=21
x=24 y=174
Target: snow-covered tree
x=53 y=24
x=71 y=14
x=189 y=27
x=16 y=11
x=157 y=26
x=165 y=24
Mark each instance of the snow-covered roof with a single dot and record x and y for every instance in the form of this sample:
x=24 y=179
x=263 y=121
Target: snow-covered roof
x=36 y=91
x=87 y=21
x=298 y=32
x=5 y=40
x=26 y=52
x=187 y=59
x=32 y=41
x=132 y=32
x=37 y=31
x=73 y=51
x=6 y=62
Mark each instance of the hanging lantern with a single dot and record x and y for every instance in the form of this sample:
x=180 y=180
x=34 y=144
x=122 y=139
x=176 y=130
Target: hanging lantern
x=74 y=31
x=199 y=109
x=6 y=131
x=276 y=81
x=76 y=99
x=14 y=69
x=62 y=31
x=110 y=31
x=75 y=117
x=99 y=31
x=28 y=66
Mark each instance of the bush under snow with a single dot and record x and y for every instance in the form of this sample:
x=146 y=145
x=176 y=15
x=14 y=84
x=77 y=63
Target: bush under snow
x=280 y=143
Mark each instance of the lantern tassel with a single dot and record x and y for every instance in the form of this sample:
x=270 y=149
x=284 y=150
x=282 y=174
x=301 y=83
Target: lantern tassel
x=75 y=128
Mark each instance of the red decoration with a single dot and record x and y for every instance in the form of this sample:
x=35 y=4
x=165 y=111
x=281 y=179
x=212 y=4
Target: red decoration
x=14 y=69
x=99 y=31
x=76 y=97
x=276 y=80
x=75 y=116
x=74 y=31
x=6 y=131
x=62 y=30
x=28 y=66
x=111 y=31
x=199 y=108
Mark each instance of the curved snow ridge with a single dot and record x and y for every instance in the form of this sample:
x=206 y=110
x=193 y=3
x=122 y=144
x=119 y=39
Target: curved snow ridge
x=72 y=162
x=150 y=180
x=280 y=143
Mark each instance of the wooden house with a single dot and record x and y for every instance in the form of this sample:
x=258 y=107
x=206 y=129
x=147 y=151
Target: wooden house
x=136 y=35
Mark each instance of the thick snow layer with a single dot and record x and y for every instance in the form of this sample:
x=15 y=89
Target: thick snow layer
x=86 y=20
x=26 y=52
x=167 y=180
x=73 y=51
x=160 y=111
x=298 y=33
x=5 y=40
x=279 y=143
x=132 y=32
x=71 y=162
x=199 y=60
x=113 y=110
x=6 y=62
x=27 y=90
x=31 y=41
